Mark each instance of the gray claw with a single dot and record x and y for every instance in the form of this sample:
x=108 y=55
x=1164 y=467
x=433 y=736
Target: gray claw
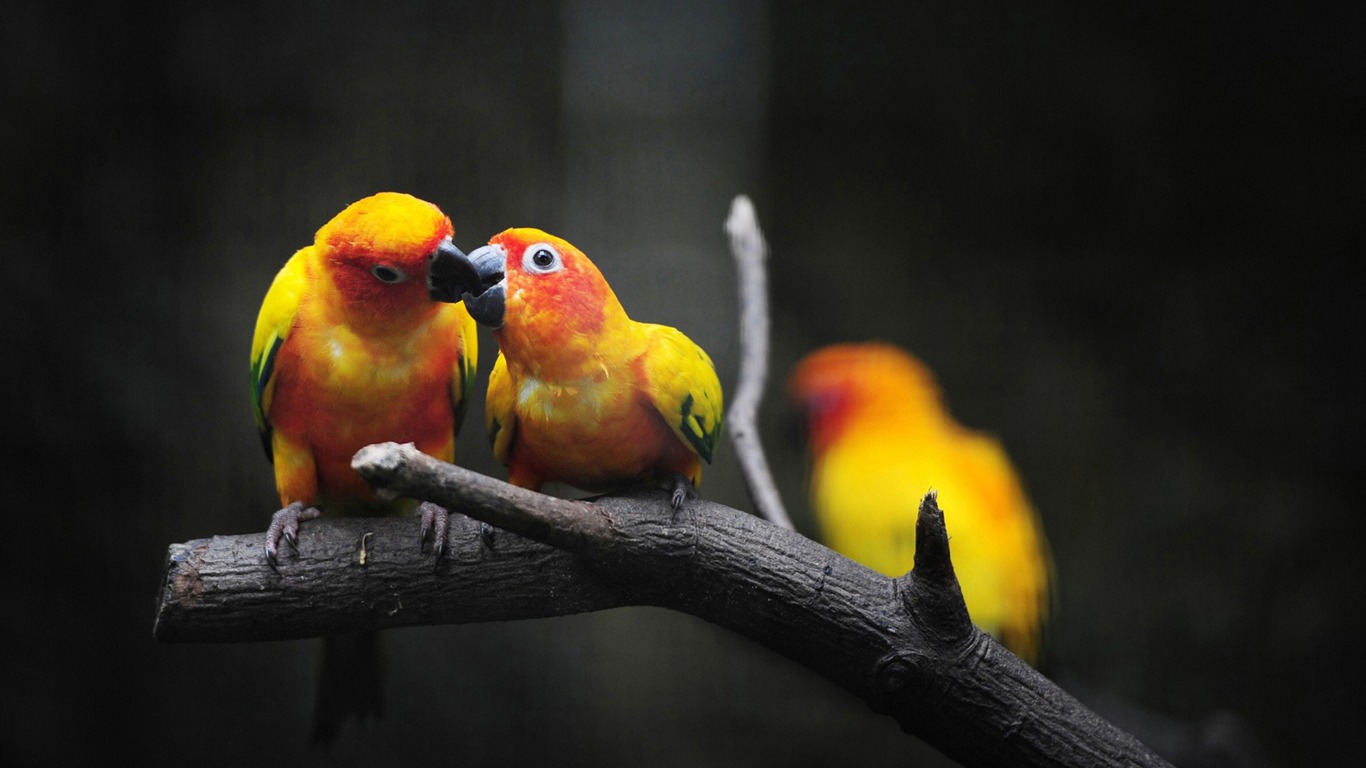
x=682 y=491
x=284 y=525
x=436 y=520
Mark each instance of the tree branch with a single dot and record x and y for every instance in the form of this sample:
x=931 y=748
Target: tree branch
x=904 y=645
x=747 y=243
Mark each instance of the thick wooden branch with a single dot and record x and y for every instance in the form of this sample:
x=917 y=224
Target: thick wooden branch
x=904 y=645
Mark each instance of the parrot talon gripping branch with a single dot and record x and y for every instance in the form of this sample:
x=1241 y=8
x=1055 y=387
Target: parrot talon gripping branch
x=284 y=524
x=436 y=522
x=681 y=490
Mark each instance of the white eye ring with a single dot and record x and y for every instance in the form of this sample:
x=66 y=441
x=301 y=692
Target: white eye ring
x=541 y=259
x=388 y=274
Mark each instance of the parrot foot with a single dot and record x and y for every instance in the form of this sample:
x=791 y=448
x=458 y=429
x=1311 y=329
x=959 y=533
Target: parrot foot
x=285 y=524
x=682 y=490
x=436 y=520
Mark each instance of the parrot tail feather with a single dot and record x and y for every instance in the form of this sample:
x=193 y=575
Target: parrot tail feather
x=348 y=683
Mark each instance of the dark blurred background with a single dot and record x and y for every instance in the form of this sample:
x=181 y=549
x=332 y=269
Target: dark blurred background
x=1120 y=233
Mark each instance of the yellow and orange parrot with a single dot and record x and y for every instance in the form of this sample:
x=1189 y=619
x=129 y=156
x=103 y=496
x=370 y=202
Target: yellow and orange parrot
x=353 y=346
x=879 y=436
x=580 y=393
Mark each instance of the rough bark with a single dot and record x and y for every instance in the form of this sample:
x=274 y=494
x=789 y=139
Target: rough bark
x=904 y=645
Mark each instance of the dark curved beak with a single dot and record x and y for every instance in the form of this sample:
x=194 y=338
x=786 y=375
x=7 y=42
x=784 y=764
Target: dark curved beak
x=477 y=279
x=448 y=271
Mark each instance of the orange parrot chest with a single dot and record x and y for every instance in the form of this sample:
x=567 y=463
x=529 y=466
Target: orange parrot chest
x=337 y=391
x=595 y=433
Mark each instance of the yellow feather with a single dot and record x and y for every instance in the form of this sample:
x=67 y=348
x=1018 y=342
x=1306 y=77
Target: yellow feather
x=273 y=324
x=684 y=387
x=500 y=415
x=888 y=440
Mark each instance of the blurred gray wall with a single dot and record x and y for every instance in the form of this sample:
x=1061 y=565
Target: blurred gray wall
x=1118 y=234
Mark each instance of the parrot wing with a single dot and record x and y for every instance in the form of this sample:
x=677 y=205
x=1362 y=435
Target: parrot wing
x=462 y=377
x=1019 y=547
x=684 y=388
x=272 y=328
x=499 y=415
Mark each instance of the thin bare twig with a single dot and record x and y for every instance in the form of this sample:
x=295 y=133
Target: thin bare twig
x=750 y=250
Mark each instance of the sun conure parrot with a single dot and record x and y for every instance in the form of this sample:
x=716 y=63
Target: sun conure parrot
x=350 y=349
x=580 y=393
x=879 y=436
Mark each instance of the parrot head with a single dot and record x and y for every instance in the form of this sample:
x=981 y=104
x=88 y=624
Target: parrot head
x=382 y=252
x=526 y=280
x=834 y=386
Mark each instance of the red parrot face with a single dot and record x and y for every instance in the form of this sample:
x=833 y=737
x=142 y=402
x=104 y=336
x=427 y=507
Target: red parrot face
x=831 y=385
x=378 y=252
x=535 y=282
x=820 y=394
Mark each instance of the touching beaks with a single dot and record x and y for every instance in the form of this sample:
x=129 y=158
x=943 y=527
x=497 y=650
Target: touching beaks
x=448 y=271
x=477 y=279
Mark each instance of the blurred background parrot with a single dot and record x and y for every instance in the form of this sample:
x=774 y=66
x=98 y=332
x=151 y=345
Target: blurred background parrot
x=580 y=393
x=350 y=349
x=879 y=436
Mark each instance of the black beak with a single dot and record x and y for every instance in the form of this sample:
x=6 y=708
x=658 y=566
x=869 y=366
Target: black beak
x=448 y=271
x=477 y=279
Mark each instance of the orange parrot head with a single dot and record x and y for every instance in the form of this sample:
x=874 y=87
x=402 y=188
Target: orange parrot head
x=379 y=254
x=834 y=386
x=535 y=289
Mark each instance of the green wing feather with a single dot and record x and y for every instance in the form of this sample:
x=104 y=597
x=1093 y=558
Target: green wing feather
x=684 y=388
x=272 y=329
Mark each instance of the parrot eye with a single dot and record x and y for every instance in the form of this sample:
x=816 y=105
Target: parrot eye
x=387 y=274
x=542 y=259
